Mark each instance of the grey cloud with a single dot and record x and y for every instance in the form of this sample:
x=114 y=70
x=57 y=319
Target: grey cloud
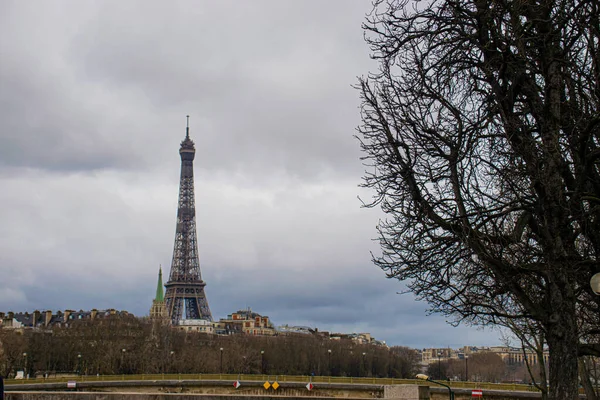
x=93 y=98
x=262 y=95
x=43 y=126
x=399 y=321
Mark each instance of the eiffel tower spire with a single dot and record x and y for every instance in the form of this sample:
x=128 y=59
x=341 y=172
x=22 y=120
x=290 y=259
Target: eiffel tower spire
x=185 y=288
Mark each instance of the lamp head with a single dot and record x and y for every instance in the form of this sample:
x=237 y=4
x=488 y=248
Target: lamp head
x=423 y=377
x=595 y=283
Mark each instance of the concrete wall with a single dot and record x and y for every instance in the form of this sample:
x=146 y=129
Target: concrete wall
x=435 y=394
x=465 y=394
x=406 y=392
x=248 y=388
x=207 y=390
x=137 y=396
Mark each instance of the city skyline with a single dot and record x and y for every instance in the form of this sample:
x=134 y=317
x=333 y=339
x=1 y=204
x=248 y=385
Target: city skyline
x=95 y=111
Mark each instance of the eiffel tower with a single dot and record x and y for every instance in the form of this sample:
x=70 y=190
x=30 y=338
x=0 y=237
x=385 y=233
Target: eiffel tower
x=185 y=297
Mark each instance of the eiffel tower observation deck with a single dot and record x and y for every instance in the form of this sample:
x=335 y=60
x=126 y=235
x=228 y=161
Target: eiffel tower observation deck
x=185 y=297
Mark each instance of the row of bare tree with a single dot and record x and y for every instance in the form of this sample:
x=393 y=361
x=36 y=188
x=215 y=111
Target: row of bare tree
x=483 y=367
x=128 y=345
x=489 y=367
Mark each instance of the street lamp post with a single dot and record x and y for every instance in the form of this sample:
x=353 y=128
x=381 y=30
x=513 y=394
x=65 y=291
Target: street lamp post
x=79 y=364
x=364 y=363
x=262 y=362
x=466 y=367
x=374 y=365
x=25 y=365
x=221 y=365
x=439 y=354
x=171 y=361
x=123 y=360
x=329 y=360
x=426 y=378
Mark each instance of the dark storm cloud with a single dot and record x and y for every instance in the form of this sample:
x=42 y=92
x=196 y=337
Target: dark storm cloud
x=397 y=319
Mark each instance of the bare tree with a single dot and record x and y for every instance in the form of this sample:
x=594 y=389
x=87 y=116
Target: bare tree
x=531 y=339
x=481 y=134
x=487 y=367
x=405 y=362
x=586 y=383
x=484 y=366
x=128 y=345
x=440 y=370
x=13 y=347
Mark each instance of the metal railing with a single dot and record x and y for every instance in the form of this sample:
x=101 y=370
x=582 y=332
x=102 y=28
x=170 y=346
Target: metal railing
x=271 y=378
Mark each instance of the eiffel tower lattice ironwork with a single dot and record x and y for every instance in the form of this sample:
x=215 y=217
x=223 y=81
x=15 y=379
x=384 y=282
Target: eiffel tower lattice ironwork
x=185 y=297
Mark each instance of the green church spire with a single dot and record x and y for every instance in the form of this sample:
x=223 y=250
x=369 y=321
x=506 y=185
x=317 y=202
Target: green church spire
x=159 y=287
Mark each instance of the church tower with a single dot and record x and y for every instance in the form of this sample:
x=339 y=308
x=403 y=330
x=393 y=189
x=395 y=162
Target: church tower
x=158 y=309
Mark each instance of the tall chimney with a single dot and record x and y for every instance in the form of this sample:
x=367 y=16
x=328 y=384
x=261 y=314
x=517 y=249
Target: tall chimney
x=48 y=317
x=35 y=318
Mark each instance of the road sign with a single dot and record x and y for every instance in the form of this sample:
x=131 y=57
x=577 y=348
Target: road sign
x=275 y=385
x=236 y=384
x=477 y=393
x=267 y=385
x=309 y=386
x=71 y=385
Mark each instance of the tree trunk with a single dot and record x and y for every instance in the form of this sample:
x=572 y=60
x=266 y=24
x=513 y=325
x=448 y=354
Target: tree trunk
x=562 y=346
x=584 y=376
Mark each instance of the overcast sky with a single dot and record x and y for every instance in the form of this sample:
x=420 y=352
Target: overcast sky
x=93 y=99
